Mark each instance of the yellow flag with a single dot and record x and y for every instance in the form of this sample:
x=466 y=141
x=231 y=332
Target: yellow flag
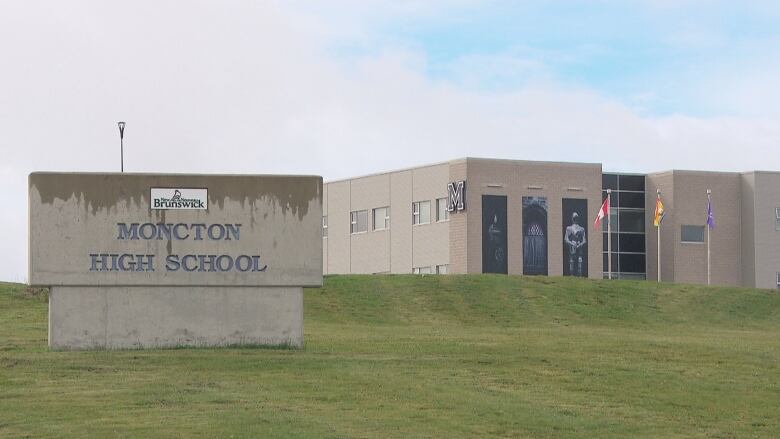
x=659 y=212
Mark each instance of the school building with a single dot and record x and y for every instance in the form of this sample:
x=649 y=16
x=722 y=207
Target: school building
x=476 y=215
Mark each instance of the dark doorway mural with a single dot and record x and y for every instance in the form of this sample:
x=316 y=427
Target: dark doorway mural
x=494 y=234
x=535 y=235
x=575 y=237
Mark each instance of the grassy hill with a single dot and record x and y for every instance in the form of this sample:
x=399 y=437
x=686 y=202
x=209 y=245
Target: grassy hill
x=434 y=356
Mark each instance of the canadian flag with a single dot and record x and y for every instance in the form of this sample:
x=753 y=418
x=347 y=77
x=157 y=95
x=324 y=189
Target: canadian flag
x=603 y=212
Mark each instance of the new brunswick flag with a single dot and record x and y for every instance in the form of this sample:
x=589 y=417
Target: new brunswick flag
x=659 y=212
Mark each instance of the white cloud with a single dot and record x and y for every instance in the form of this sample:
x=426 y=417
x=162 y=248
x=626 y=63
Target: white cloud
x=240 y=87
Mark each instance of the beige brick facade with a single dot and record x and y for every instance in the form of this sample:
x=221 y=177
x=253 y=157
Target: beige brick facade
x=745 y=246
x=684 y=194
x=515 y=179
x=399 y=248
x=458 y=223
x=665 y=183
x=760 y=231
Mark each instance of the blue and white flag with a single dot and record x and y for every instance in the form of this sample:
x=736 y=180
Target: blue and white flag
x=710 y=217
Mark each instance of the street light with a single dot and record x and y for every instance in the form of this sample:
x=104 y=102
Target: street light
x=121 y=146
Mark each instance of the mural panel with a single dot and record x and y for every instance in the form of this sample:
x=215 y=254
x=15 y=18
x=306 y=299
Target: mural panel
x=535 y=235
x=494 y=234
x=575 y=237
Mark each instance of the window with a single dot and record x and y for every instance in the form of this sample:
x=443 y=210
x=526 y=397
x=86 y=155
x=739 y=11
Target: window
x=441 y=269
x=609 y=181
x=777 y=218
x=358 y=221
x=421 y=212
x=615 y=241
x=631 y=183
x=631 y=263
x=325 y=226
x=442 y=214
x=605 y=255
x=634 y=200
x=692 y=234
x=381 y=218
x=613 y=214
x=631 y=243
x=421 y=270
x=628 y=226
x=631 y=221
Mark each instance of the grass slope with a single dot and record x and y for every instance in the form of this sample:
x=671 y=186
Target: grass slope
x=434 y=356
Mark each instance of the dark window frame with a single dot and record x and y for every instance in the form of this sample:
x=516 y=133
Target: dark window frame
x=690 y=227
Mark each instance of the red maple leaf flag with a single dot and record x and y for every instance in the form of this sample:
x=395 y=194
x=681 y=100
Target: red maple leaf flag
x=603 y=212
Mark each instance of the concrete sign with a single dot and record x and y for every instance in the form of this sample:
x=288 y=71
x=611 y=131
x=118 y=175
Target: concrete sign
x=137 y=260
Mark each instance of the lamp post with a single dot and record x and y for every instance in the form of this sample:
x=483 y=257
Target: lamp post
x=121 y=146
x=709 y=226
x=609 y=234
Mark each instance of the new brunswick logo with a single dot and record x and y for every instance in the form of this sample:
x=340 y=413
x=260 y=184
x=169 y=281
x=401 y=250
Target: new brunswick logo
x=179 y=199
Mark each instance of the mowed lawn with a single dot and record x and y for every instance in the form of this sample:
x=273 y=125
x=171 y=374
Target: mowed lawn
x=434 y=356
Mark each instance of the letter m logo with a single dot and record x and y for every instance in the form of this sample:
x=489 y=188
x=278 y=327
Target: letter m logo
x=456 y=196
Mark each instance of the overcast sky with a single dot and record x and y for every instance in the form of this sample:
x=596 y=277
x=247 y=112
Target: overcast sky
x=344 y=88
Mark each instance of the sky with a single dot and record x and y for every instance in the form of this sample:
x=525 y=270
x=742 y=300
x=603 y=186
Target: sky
x=351 y=87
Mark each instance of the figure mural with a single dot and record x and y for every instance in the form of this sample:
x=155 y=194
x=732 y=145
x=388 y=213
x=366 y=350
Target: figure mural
x=494 y=234
x=575 y=237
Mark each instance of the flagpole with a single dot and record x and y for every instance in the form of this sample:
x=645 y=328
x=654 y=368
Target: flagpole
x=609 y=234
x=658 y=230
x=709 y=207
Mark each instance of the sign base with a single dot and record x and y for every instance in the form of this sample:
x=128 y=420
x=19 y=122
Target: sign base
x=89 y=317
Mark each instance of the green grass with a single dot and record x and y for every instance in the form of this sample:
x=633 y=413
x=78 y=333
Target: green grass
x=434 y=356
